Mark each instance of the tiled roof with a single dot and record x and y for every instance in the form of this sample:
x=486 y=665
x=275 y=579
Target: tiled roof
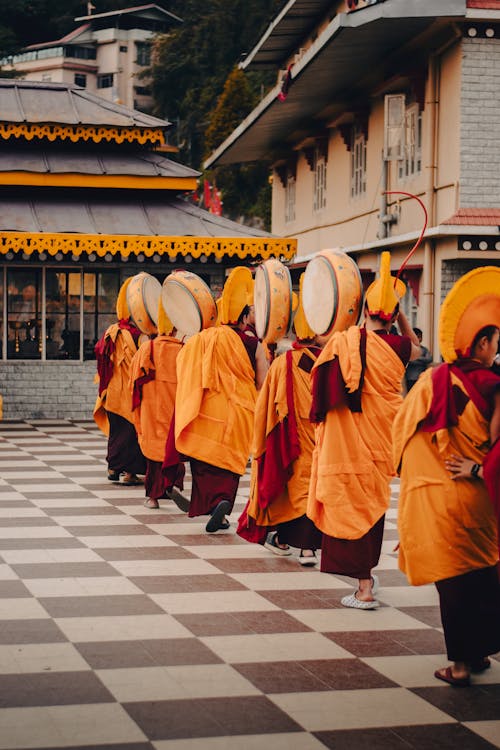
x=485 y=217
x=90 y=161
x=484 y=4
x=37 y=102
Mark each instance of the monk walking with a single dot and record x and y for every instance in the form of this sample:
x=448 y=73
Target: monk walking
x=357 y=383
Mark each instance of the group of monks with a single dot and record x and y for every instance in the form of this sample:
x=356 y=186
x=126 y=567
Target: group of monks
x=326 y=427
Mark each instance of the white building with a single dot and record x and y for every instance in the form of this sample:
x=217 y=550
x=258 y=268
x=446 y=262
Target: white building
x=105 y=54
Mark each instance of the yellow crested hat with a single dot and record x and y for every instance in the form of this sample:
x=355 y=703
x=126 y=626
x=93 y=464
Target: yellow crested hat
x=122 y=309
x=165 y=325
x=384 y=293
x=237 y=293
x=302 y=328
x=471 y=304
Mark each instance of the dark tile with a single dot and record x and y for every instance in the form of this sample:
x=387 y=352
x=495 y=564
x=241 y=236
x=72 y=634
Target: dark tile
x=51 y=543
x=57 y=689
x=430 y=615
x=305 y=599
x=144 y=553
x=147 y=653
x=25 y=481
x=26 y=521
x=258 y=565
x=239 y=623
x=121 y=746
x=192 y=540
x=477 y=703
x=210 y=717
x=13 y=590
x=364 y=739
x=88 y=510
x=100 y=606
x=186 y=584
x=65 y=497
x=113 y=501
x=442 y=737
x=14 y=503
x=118 y=530
x=30 y=631
x=364 y=643
x=311 y=675
x=64 y=570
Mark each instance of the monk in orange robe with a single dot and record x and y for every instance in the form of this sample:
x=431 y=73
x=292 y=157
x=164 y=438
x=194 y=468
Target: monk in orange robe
x=218 y=371
x=153 y=381
x=357 y=383
x=283 y=443
x=113 y=407
x=447 y=524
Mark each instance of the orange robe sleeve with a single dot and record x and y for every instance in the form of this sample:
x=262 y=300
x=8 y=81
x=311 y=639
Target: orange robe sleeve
x=352 y=460
x=447 y=527
x=215 y=399
x=156 y=395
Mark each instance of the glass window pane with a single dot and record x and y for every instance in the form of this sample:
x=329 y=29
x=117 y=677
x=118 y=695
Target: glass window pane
x=24 y=325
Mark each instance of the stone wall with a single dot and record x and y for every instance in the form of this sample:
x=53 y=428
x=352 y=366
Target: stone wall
x=48 y=390
x=480 y=123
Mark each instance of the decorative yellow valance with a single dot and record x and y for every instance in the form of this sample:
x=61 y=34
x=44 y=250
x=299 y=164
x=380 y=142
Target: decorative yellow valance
x=84 y=133
x=125 y=245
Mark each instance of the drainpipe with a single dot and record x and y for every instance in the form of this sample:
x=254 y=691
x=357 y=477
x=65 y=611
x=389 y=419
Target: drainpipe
x=431 y=166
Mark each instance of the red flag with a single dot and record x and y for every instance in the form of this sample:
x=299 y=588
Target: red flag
x=207 y=193
x=216 y=201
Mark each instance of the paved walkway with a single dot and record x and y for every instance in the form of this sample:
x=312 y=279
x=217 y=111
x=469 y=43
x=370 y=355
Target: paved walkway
x=132 y=629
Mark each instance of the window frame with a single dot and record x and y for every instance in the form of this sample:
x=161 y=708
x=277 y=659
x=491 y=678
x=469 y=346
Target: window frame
x=411 y=165
x=319 y=181
x=358 y=163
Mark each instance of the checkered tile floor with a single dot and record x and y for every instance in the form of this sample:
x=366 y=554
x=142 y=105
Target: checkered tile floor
x=132 y=629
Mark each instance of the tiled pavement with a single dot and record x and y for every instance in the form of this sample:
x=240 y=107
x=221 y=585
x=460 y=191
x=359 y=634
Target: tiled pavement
x=133 y=629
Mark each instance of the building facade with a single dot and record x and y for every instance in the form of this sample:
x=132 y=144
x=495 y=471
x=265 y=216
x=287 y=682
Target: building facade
x=373 y=101
x=106 y=54
x=87 y=199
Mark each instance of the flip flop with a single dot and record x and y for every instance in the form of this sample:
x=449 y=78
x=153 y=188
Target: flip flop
x=181 y=501
x=308 y=561
x=133 y=482
x=355 y=603
x=272 y=544
x=114 y=476
x=217 y=521
x=151 y=504
x=446 y=675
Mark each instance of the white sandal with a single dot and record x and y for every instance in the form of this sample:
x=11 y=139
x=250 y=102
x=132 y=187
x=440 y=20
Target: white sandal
x=355 y=603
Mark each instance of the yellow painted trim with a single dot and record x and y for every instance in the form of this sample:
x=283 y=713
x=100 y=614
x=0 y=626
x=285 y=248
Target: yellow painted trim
x=76 y=133
x=71 y=179
x=126 y=245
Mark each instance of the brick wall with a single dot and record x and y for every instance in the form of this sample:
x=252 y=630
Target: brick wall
x=453 y=270
x=48 y=390
x=480 y=123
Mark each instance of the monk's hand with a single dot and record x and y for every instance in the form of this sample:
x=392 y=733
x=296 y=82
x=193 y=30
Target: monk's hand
x=459 y=467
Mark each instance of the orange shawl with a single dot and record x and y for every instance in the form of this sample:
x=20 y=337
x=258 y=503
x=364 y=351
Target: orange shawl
x=352 y=460
x=215 y=399
x=447 y=527
x=116 y=398
x=270 y=411
x=154 y=380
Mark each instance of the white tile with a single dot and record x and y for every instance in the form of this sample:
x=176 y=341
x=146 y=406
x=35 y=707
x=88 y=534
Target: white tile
x=356 y=709
x=23 y=658
x=11 y=476
x=121 y=628
x=77 y=554
x=219 y=551
x=488 y=730
x=28 y=728
x=211 y=681
x=350 y=620
x=278 y=741
x=130 y=540
x=94 y=724
x=208 y=601
x=66 y=488
x=164 y=567
x=7 y=496
x=33 y=532
x=69 y=502
x=21 y=609
x=21 y=512
x=6 y=572
x=310 y=579
x=410 y=671
x=409 y=596
x=241 y=649
x=5 y=465
x=97 y=586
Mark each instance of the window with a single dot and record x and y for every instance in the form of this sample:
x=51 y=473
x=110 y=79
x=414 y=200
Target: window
x=143 y=53
x=358 y=163
x=81 y=53
x=105 y=81
x=57 y=314
x=412 y=162
x=142 y=90
x=290 y=191
x=319 y=195
x=123 y=48
x=81 y=80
